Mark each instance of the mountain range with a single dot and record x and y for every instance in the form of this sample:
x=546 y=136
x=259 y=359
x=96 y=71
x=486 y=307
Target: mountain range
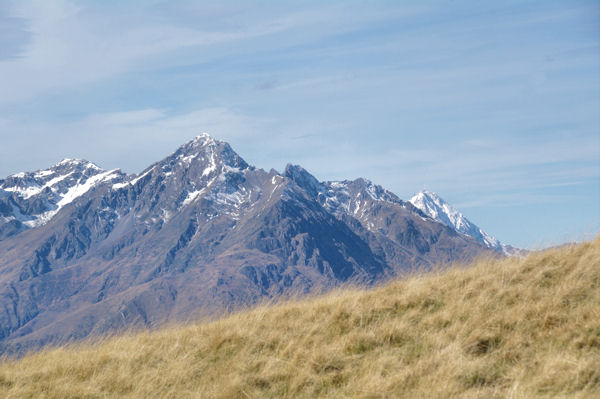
x=85 y=251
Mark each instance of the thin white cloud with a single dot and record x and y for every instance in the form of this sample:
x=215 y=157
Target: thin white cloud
x=125 y=119
x=71 y=46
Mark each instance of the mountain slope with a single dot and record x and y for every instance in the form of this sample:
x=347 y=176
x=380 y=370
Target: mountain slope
x=199 y=232
x=518 y=327
x=435 y=207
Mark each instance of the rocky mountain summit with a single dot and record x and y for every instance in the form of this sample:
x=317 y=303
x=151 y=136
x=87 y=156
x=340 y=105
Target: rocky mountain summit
x=85 y=251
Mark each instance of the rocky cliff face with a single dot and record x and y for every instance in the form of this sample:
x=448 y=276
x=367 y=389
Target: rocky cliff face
x=88 y=251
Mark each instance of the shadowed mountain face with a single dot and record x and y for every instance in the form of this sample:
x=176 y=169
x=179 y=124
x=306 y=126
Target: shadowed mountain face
x=196 y=233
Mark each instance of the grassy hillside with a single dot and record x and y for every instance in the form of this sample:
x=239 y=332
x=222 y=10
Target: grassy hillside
x=497 y=329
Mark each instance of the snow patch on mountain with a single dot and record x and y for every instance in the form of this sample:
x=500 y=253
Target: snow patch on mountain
x=355 y=197
x=34 y=189
x=81 y=188
x=191 y=197
x=71 y=195
x=36 y=197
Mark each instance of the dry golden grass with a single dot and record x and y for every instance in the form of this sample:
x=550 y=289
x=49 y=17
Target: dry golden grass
x=516 y=328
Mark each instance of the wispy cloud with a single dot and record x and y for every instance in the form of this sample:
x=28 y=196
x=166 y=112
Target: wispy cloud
x=70 y=46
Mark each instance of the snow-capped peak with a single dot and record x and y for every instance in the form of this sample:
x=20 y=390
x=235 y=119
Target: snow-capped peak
x=436 y=208
x=72 y=163
x=212 y=155
x=204 y=136
x=202 y=140
x=35 y=197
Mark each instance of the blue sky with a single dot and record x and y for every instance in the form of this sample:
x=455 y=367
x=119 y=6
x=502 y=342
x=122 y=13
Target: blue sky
x=493 y=105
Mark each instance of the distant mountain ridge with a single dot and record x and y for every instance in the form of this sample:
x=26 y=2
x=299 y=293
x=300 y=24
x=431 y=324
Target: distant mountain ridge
x=86 y=251
x=435 y=207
